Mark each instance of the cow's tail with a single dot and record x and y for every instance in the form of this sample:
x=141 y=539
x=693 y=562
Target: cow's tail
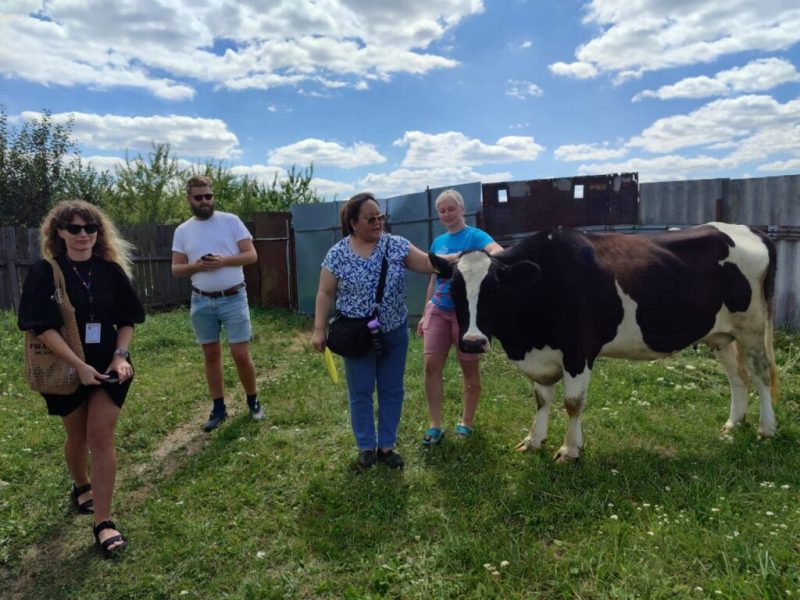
x=773 y=370
x=769 y=300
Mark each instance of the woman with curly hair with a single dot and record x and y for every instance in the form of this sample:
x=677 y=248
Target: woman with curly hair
x=96 y=263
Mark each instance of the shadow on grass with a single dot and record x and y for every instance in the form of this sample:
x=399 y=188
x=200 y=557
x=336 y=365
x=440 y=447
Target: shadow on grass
x=347 y=512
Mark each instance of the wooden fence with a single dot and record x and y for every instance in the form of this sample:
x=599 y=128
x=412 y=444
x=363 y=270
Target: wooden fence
x=269 y=282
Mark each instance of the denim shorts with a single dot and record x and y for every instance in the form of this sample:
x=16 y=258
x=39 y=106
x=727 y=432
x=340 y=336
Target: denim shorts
x=230 y=312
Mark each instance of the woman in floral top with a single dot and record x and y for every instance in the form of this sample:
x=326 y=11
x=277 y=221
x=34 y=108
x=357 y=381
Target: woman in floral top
x=350 y=273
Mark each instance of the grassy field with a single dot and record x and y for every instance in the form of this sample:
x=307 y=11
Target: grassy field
x=659 y=506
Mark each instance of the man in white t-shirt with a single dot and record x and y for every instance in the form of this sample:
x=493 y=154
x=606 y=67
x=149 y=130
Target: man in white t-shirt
x=211 y=248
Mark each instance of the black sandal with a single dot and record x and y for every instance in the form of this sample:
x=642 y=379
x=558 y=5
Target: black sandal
x=104 y=545
x=87 y=506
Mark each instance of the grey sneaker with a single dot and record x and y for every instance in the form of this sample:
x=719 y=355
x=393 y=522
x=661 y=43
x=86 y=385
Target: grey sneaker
x=256 y=412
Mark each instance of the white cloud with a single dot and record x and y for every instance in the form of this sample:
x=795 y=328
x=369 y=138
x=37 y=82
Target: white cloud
x=526 y=44
x=322 y=152
x=454 y=149
x=649 y=35
x=578 y=70
x=755 y=76
x=167 y=48
x=405 y=181
x=523 y=89
x=104 y=163
x=187 y=136
x=781 y=165
x=572 y=152
x=719 y=122
x=662 y=168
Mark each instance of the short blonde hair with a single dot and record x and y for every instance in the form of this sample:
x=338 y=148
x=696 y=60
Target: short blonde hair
x=109 y=245
x=451 y=193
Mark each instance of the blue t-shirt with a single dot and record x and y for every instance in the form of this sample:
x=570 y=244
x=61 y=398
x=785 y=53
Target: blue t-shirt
x=358 y=280
x=469 y=238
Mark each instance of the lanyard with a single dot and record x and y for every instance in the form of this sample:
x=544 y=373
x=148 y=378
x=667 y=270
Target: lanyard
x=86 y=283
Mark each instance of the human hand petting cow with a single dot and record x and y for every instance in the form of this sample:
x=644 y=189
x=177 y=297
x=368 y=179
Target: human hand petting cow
x=558 y=300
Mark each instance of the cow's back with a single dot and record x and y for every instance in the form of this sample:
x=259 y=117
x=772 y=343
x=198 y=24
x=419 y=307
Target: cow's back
x=679 y=288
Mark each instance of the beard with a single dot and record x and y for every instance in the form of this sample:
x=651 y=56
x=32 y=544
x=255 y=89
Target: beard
x=203 y=211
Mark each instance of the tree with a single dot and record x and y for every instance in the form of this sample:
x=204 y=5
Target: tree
x=82 y=180
x=148 y=190
x=32 y=161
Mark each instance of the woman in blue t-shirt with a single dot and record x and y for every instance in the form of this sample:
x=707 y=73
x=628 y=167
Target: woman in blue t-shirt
x=350 y=272
x=439 y=326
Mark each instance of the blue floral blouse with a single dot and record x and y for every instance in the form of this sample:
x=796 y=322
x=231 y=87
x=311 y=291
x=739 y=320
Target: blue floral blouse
x=358 y=280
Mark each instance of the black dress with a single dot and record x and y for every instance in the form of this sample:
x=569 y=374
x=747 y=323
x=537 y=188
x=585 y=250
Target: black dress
x=114 y=304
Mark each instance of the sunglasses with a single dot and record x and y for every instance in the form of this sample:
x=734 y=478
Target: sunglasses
x=376 y=219
x=89 y=228
x=198 y=197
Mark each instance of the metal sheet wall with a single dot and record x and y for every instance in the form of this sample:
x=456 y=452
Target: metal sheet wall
x=413 y=216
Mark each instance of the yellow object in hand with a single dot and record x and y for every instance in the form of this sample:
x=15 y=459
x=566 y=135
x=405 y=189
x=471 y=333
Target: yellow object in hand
x=331 y=364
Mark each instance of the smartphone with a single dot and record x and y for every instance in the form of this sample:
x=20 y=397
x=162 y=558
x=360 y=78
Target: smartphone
x=111 y=377
x=206 y=256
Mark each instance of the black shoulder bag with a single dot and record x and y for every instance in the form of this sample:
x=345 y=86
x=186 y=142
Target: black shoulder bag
x=349 y=336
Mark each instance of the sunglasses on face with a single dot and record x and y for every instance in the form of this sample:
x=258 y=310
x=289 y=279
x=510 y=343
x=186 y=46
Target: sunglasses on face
x=375 y=219
x=89 y=228
x=198 y=197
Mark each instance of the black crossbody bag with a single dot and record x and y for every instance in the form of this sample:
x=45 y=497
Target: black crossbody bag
x=350 y=337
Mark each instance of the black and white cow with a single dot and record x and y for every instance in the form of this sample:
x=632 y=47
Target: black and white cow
x=558 y=300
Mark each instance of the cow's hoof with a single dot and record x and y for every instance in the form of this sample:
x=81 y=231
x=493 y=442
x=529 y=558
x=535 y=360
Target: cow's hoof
x=529 y=444
x=728 y=428
x=766 y=433
x=566 y=455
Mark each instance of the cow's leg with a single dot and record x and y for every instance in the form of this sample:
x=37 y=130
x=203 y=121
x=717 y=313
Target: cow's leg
x=761 y=364
x=544 y=398
x=575 y=389
x=731 y=358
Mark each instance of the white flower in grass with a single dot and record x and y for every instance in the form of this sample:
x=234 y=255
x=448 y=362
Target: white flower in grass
x=718 y=592
x=667 y=488
x=496 y=573
x=487 y=566
x=769 y=513
x=697 y=588
x=614 y=471
x=184 y=592
x=503 y=563
x=260 y=554
x=715 y=509
x=650 y=533
x=614 y=518
x=690 y=367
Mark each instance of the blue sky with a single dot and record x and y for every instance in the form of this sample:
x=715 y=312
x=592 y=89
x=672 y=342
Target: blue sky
x=391 y=96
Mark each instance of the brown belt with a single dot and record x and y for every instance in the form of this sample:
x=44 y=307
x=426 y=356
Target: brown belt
x=229 y=292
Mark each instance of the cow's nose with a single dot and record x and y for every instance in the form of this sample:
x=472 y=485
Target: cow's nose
x=474 y=343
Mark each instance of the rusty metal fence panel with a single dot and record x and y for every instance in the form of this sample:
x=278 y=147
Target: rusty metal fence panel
x=516 y=207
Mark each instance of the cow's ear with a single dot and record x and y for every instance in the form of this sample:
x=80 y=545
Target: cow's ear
x=522 y=273
x=441 y=266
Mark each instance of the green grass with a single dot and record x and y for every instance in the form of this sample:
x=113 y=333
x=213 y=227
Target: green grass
x=659 y=506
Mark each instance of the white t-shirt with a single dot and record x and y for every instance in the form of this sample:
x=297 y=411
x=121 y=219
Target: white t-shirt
x=218 y=235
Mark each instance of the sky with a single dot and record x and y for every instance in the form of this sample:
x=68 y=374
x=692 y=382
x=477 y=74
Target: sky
x=391 y=96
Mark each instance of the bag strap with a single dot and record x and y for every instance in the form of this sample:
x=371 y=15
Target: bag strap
x=58 y=281
x=382 y=278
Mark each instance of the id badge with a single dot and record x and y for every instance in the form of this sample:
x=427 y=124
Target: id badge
x=93 y=333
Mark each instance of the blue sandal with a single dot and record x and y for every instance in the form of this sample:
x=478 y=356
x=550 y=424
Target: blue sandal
x=463 y=431
x=433 y=436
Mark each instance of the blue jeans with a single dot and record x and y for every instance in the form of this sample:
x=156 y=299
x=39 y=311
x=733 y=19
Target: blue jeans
x=387 y=371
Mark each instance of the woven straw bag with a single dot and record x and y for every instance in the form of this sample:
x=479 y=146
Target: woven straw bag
x=45 y=372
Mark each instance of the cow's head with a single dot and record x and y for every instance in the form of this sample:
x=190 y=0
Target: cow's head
x=479 y=284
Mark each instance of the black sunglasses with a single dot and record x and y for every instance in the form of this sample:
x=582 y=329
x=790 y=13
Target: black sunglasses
x=89 y=228
x=198 y=197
